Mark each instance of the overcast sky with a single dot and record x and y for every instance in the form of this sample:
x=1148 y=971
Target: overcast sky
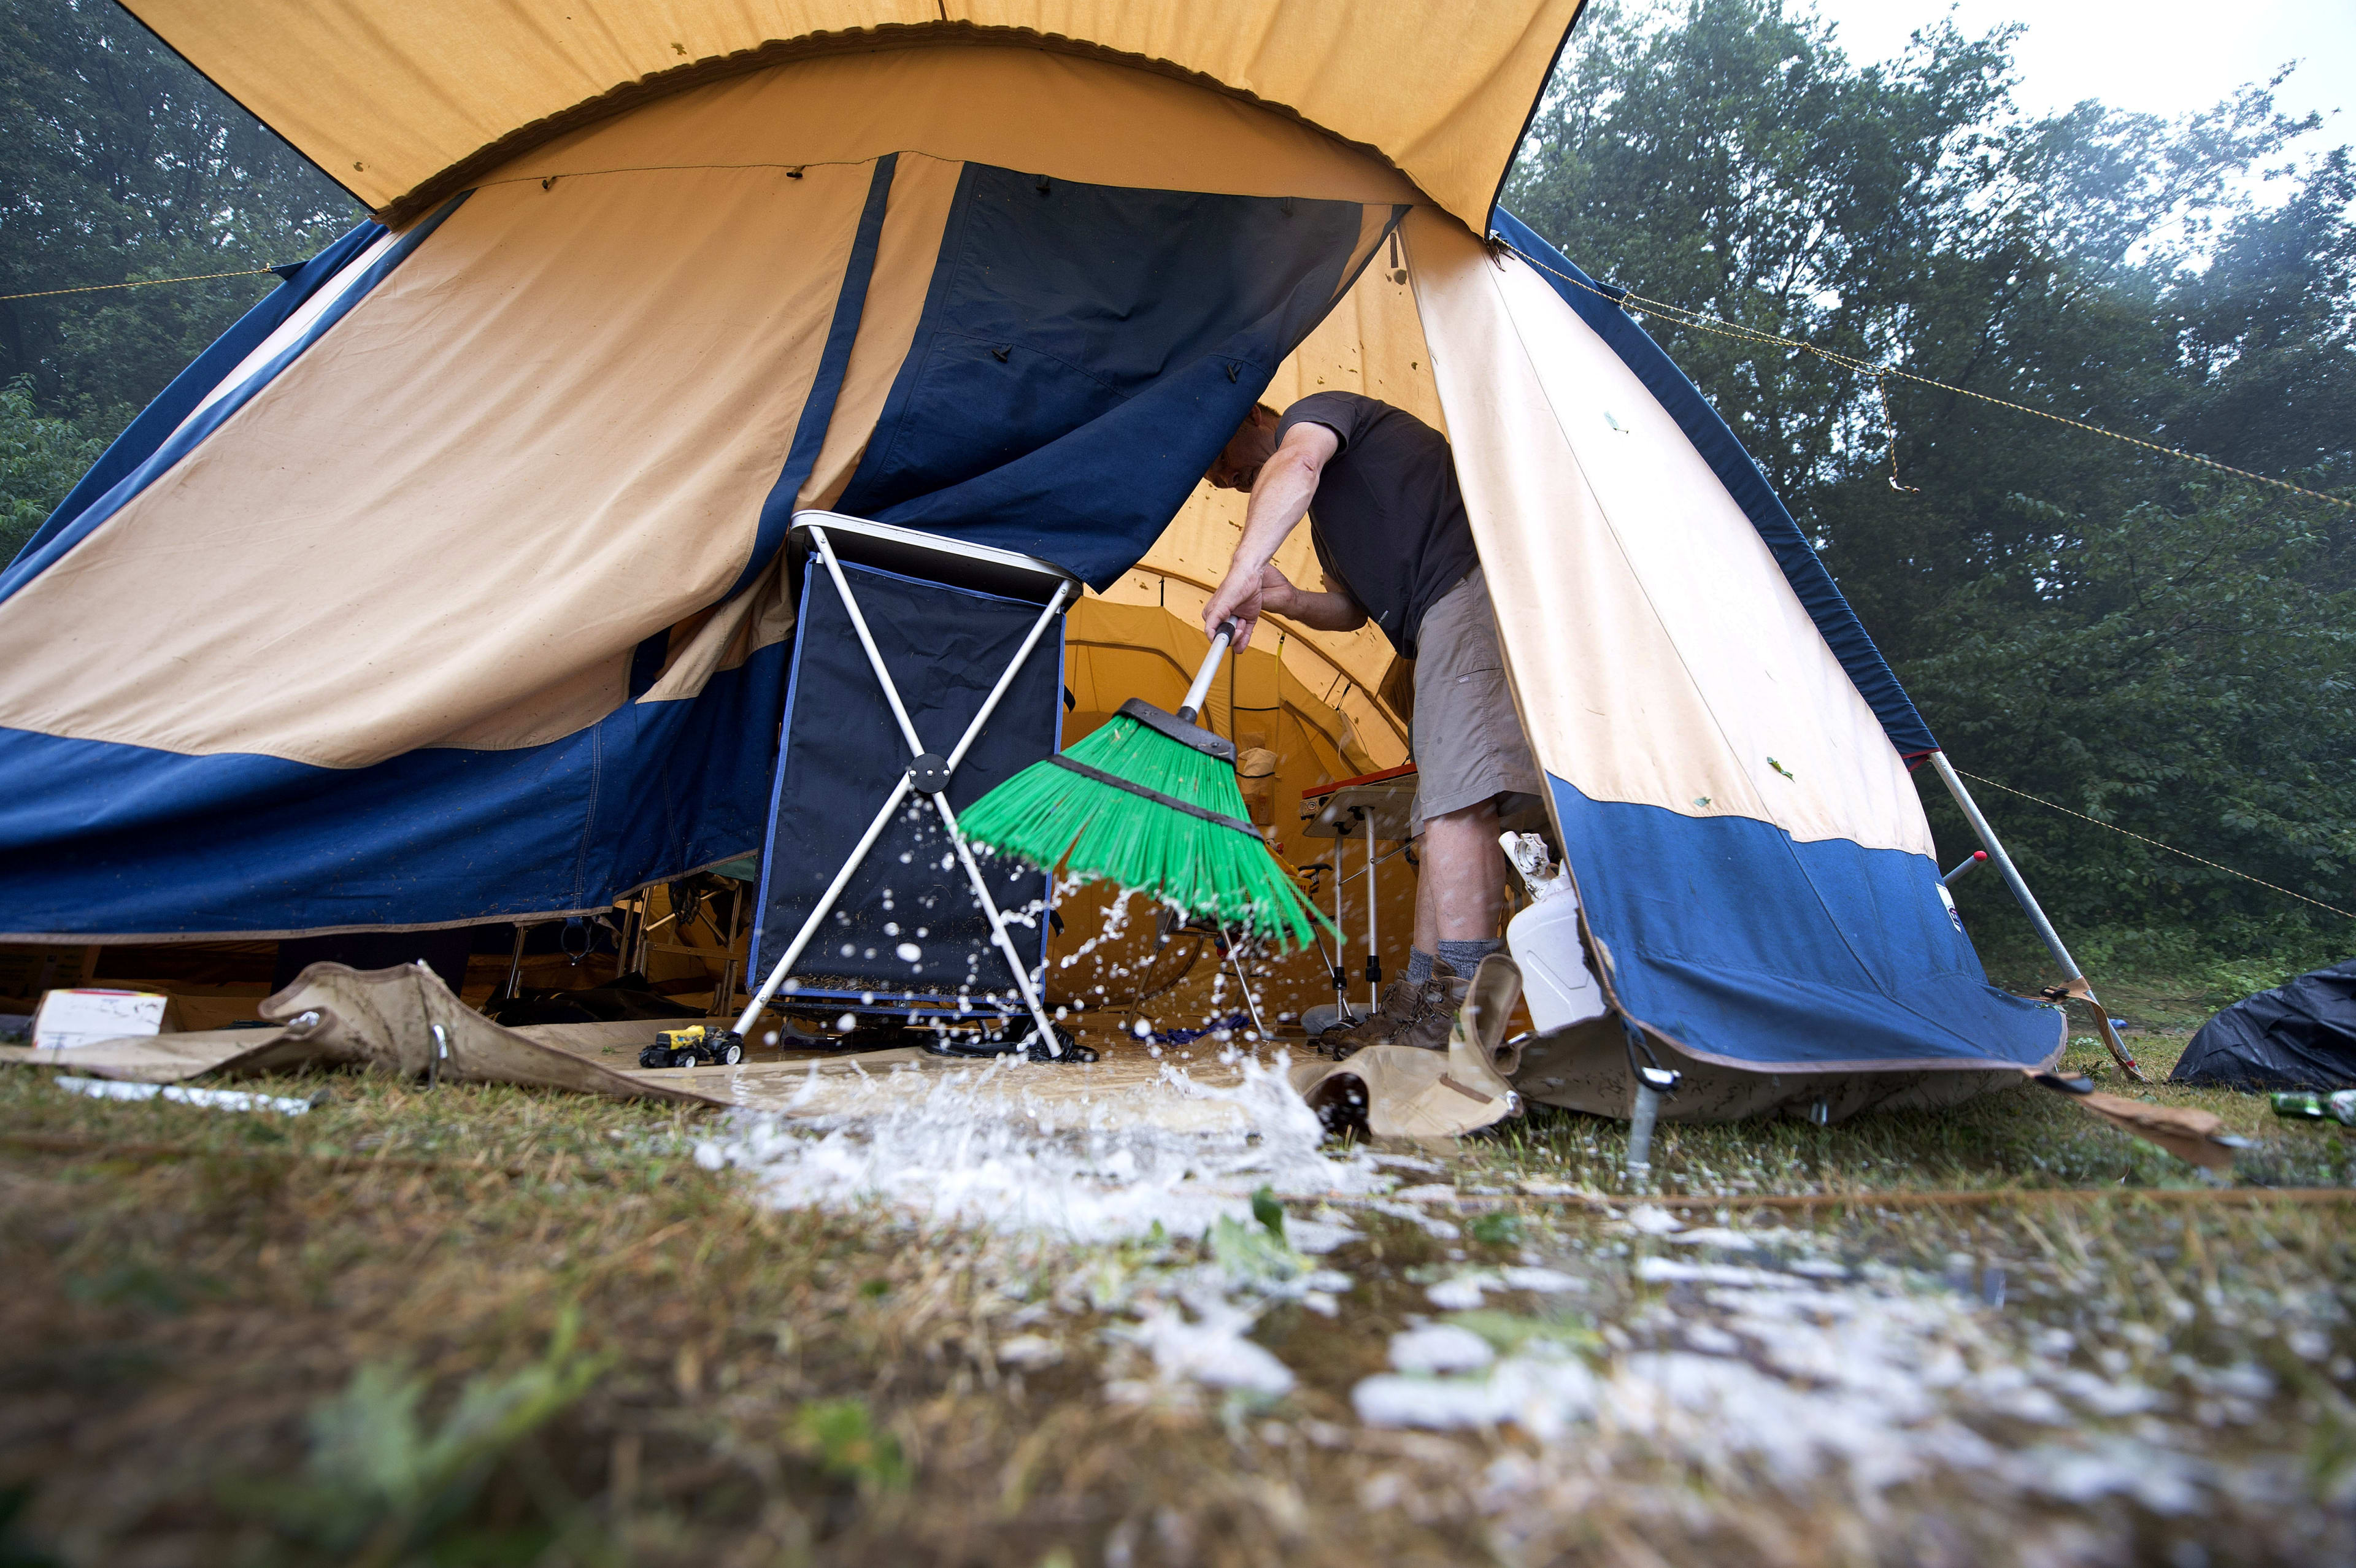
x=2160 y=56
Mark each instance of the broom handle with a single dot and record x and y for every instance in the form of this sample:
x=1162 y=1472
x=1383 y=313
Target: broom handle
x=1202 y=687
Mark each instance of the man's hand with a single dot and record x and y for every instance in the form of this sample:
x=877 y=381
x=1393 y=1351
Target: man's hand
x=1244 y=597
x=1276 y=594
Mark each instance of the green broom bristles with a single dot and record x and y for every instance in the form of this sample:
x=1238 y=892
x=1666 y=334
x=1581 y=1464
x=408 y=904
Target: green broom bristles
x=1052 y=817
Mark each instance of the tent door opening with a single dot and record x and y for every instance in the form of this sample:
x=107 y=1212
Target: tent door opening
x=923 y=676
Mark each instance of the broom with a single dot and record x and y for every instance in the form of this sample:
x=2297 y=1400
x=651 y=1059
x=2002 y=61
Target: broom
x=1150 y=801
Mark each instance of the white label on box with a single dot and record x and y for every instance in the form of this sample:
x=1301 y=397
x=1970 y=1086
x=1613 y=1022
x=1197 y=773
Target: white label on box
x=69 y=1019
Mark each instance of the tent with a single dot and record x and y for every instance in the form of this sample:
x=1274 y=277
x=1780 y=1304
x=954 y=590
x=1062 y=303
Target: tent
x=450 y=587
x=2299 y=1035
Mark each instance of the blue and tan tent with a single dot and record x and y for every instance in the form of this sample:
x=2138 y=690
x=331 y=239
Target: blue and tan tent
x=449 y=587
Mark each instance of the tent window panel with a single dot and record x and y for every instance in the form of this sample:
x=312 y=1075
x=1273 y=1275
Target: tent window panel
x=1084 y=352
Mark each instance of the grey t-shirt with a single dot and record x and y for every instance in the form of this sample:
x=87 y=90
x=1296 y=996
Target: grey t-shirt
x=1387 y=520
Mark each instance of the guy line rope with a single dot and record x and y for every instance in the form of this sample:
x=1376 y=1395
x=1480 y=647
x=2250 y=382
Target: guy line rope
x=138 y=283
x=1680 y=316
x=2157 y=844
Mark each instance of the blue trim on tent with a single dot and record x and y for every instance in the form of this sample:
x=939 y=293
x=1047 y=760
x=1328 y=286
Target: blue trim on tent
x=36 y=559
x=826 y=386
x=1729 y=936
x=160 y=418
x=127 y=839
x=1838 y=624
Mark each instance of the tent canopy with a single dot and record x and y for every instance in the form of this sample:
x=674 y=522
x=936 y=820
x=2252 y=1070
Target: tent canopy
x=408 y=101
x=451 y=588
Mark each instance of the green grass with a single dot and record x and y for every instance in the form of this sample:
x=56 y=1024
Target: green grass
x=578 y=1347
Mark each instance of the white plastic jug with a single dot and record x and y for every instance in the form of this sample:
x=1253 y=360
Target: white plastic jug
x=1543 y=940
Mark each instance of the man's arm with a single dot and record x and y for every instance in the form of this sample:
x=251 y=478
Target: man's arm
x=1332 y=610
x=1279 y=499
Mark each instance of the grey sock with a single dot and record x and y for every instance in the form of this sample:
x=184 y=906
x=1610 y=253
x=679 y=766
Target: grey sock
x=1419 y=966
x=1465 y=956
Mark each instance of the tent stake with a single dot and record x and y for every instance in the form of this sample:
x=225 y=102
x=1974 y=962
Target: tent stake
x=2013 y=880
x=515 y=965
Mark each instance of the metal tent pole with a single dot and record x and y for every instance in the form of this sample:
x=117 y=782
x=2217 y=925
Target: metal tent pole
x=1341 y=932
x=2045 y=932
x=515 y=964
x=1374 y=948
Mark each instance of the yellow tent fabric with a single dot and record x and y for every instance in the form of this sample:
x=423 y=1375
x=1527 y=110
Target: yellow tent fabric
x=408 y=100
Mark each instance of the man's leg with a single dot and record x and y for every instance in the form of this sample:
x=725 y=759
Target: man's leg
x=1460 y=878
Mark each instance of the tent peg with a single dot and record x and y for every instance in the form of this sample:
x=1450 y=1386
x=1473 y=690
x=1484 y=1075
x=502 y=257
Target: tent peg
x=1652 y=1083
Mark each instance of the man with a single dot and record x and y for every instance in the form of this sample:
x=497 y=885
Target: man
x=1378 y=486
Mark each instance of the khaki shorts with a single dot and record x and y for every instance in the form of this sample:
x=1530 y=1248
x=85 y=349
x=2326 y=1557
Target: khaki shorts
x=1469 y=745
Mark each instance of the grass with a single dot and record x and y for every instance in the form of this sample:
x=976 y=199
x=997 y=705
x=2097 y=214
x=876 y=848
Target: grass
x=490 y=1326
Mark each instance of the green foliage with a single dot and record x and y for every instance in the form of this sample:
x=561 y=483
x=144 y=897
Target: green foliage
x=1269 y=1213
x=380 y=1477
x=1255 y=1254
x=118 y=162
x=2156 y=645
x=841 y=1435
x=41 y=459
x=1498 y=1230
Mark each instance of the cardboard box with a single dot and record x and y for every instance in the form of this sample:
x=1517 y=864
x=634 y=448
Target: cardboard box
x=86 y=1015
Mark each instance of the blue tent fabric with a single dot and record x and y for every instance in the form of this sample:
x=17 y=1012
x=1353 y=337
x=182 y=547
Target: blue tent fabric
x=1813 y=956
x=1083 y=354
x=1843 y=633
x=1138 y=325
x=126 y=840
x=140 y=438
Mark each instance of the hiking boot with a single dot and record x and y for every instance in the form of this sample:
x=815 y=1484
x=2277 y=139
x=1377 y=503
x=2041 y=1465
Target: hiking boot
x=1407 y=1007
x=1443 y=999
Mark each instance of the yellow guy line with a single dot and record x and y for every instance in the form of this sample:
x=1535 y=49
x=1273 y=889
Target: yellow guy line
x=1681 y=317
x=2155 y=843
x=137 y=283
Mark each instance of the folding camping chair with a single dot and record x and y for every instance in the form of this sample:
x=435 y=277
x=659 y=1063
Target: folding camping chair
x=914 y=562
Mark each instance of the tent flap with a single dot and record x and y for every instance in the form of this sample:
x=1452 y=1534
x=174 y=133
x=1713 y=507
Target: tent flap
x=1843 y=633
x=1753 y=949
x=1085 y=351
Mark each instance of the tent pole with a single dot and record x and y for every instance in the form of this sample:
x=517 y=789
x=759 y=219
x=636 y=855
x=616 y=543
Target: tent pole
x=2028 y=904
x=1374 y=948
x=727 y=995
x=515 y=964
x=1341 y=935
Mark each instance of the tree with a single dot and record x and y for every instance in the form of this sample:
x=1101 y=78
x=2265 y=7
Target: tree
x=2102 y=625
x=41 y=459
x=119 y=162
